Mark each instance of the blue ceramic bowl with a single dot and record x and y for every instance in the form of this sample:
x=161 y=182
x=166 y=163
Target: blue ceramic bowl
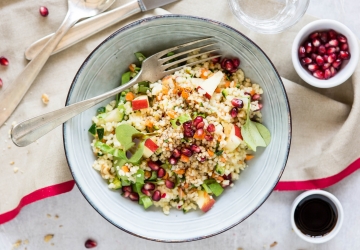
x=102 y=71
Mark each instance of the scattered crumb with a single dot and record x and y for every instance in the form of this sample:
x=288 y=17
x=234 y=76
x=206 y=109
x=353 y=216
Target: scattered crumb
x=26 y=241
x=60 y=225
x=48 y=215
x=16 y=169
x=12 y=163
x=56 y=216
x=45 y=98
x=240 y=248
x=273 y=244
x=9 y=146
x=48 y=237
x=52 y=244
x=16 y=244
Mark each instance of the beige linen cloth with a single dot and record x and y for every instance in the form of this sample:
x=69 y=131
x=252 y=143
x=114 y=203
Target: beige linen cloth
x=325 y=122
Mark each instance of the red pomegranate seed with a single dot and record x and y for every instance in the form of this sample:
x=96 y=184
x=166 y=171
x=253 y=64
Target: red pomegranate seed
x=161 y=172
x=215 y=60
x=337 y=49
x=1 y=83
x=344 y=47
x=324 y=37
x=202 y=159
x=255 y=97
x=334 y=42
x=163 y=195
x=322 y=49
x=314 y=35
x=157 y=195
x=153 y=165
x=319 y=60
x=332 y=34
x=330 y=50
x=4 y=61
x=238 y=103
x=345 y=55
x=341 y=38
x=326 y=66
x=126 y=194
x=236 y=62
x=197 y=120
x=337 y=63
x=43 y=11
x=134 y=196
x=308 y=47
x=176 y=153
x=200 y=125
x=187 y=152
x=199 y=132
x=302 y=51
x=260 y=106
x=146 y=192
x=234 y=112
x=306 y=61
x=316 y=42
x=313 y=56
x=187 y=124
x=188 y=132
x=319 y=74
x=313 y=67
x=327 y=74
x=169 y=184
x=195 y=148
x=227 y=65
x=209 y=137
x=327 y=45
x=149 y=186
x=211 y=128
x=90 y=243
x=127 y=189
x=331 y=58
x=326 y=57
x=333 y=71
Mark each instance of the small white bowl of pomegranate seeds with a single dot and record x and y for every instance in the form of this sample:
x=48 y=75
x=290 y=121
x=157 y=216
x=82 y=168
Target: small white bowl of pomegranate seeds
x=325 y=53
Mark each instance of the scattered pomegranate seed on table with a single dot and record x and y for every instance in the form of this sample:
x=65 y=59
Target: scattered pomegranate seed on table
x=4 y=61
x=43 y=11
x=90 y=244
x=323 y=53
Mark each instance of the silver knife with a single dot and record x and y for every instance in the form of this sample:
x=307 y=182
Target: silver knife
x=90 y=26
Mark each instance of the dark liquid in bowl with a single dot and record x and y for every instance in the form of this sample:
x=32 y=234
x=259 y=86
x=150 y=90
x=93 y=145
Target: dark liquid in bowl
x=316 y=215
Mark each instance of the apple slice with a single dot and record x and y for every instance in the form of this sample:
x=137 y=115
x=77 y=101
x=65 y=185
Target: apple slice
x=234 y=138
x=210 y=84
x=204 y=201
x=149 y=148
x=140 y=102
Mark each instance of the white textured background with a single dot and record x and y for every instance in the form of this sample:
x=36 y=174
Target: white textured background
x=78 y=221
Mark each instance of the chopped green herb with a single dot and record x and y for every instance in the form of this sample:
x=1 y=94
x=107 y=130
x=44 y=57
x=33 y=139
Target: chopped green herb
x=117 y=183
x=101 y=110
x=218 y=153
x=92 y=129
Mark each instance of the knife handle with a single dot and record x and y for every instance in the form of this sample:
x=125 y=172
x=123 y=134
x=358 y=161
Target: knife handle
x=86 y=28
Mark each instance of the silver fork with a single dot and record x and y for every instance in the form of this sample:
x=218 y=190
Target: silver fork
x=153 y=68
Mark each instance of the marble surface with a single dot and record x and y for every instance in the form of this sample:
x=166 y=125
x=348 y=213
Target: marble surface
x=72 y=220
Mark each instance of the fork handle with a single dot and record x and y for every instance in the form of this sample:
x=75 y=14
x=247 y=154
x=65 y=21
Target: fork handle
x=30 y=130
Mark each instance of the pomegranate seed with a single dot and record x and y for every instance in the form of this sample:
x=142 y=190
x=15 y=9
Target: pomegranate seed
x=255 y=97
x=234 y=112
x=316 y=42
x=331 y=58
x=327 y=45
x=202 y=159
x=324 y=37
x=126 y=194
x=341 y=38
x=195 y=148
x=260 y=106
x=200 y=125
x=332 y=34
x=326 y=66
x=227 y=65
x=238 y=103
x=90 y=244
x=227 y=177
x=161 y=173
x=330 y=50
x=334 y=42
x=215 y=60
x=337 y=49
x=149 y=186
x=319 y=74
x=313 y=56
x=1 y=83
x=211 y=128
x=172 y=161
x=326 y=57
x=187 y=124
x=321 y=49
x=146 y=192
x=333 y=71
x=187 y=152
x=199 y=132
x=236 y=62
x=134 y=196
x=327 y=74
x=153 y=165
x=163 y=195
x=308 y=48
x=197 y=120
x=157 y=196
x=4 y=61
x=126 y=189
x=345 y=55
x=344 y=47
x=302 y=51
x=169 y=184
x=313 y=67
x=337 y=63
x=319 y=60
x=43 y=11
x=314 y=35
x=209 y=137
x=176 y=153
x=189 y=133
x=306 y=61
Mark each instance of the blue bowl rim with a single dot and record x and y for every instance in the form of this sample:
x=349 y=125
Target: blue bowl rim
x=149 y=19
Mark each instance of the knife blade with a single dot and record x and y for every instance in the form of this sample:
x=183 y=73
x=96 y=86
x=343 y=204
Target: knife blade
x=90 y=26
